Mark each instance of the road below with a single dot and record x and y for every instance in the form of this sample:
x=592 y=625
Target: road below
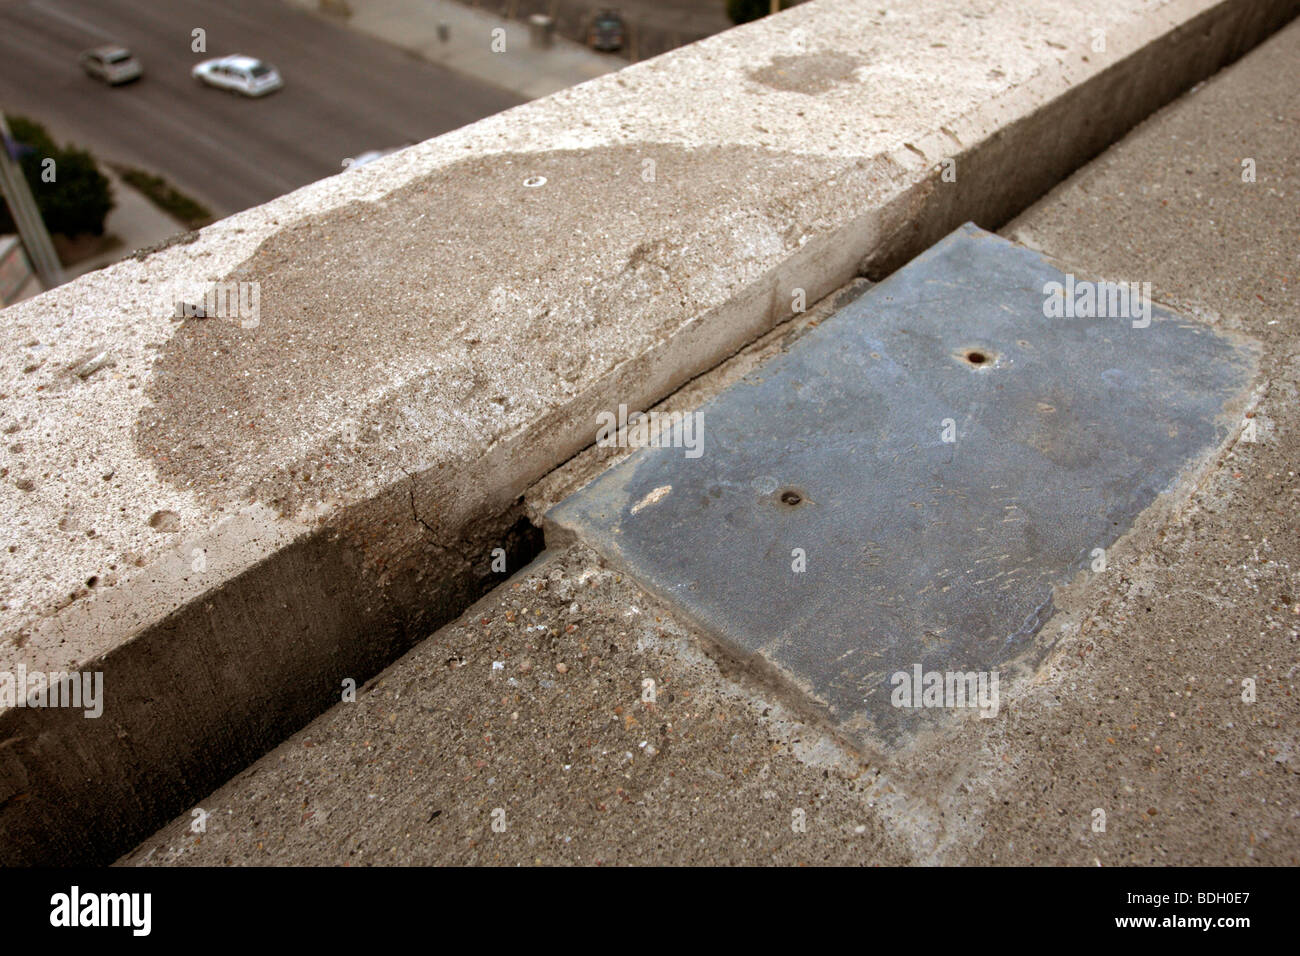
x=344 y=93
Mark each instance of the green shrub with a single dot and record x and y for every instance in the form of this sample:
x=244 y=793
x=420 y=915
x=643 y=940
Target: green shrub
x=166 y=196
x=78 y=200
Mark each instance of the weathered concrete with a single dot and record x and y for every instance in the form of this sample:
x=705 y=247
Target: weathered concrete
x=560 y=739
x=435 y=334
x=1139 y=714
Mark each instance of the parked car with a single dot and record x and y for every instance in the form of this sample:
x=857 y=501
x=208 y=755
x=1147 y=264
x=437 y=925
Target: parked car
x=607 y=32
x=240 y=74
x=111 y=64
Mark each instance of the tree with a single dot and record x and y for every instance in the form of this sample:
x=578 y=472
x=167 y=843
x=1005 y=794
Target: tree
x=72 y=195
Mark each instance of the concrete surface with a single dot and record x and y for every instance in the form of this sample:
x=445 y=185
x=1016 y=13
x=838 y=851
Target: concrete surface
x=227 y=519
x=560 y=739
x=511 y=64
x=1148 y=721
x=1133 y=746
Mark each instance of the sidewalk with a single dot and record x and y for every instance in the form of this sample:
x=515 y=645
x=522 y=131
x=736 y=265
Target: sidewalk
x=134 y=220
x=413 y=25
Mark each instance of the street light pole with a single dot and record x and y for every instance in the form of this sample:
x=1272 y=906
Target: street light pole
x=31 y=227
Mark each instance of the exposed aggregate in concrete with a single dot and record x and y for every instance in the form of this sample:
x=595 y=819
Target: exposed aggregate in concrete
x=1146 y=718
x=533 y=703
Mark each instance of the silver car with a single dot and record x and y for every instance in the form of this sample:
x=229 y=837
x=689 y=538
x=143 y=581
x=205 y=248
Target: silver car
x=240 y=74
x=111 y=64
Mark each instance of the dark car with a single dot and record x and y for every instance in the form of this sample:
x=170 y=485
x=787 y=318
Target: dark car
x=607 y=32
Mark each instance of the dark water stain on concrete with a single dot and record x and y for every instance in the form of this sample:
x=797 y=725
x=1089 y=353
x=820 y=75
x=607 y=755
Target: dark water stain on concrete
x=810 y=73
x=469 y=292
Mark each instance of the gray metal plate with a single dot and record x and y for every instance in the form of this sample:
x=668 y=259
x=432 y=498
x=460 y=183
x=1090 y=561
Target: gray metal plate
x=918 y=551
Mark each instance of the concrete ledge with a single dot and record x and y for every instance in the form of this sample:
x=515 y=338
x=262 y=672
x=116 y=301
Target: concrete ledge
x=230 y=516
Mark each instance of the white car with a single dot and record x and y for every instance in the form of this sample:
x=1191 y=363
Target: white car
x=370 y=156
x=241 y=74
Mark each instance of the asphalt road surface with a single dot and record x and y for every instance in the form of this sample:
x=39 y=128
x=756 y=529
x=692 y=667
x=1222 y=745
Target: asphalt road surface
x=343 y=93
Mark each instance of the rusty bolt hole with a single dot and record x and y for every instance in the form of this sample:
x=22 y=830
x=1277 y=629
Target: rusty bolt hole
x=791 y=498
x=976 y=357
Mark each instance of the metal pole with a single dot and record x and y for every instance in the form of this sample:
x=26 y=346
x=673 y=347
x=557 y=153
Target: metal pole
x=31 y=227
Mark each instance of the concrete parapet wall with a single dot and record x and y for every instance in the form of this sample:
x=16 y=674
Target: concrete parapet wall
x=230 y=515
